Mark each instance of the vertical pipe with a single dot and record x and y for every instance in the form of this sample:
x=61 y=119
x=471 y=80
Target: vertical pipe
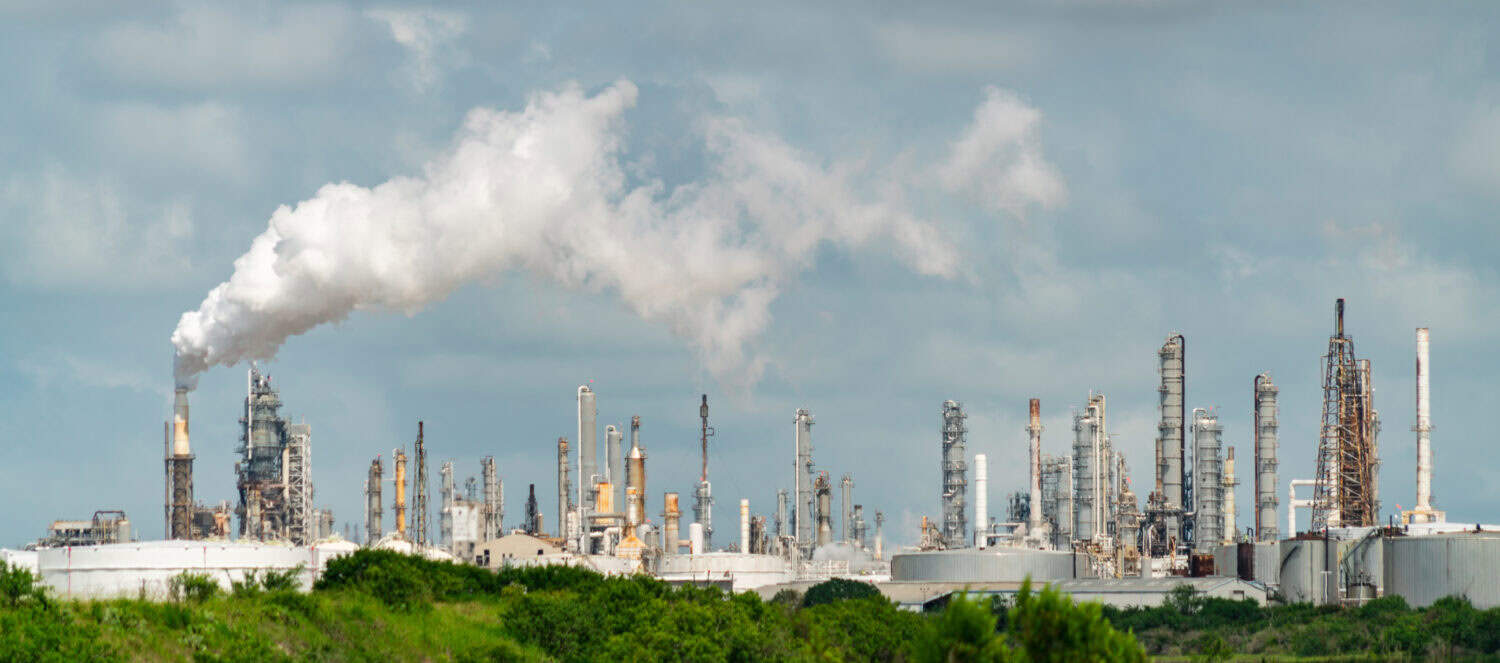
x=1265 y=459
x=879 y=535
x=847 y=487
x=695 y=538
x=400 y=459
x=802 y=518
x=563 y=490
x=1231 y=536
x=744 y=525
x=1423 y=428
x=981 y=501
x=1035 y=433
x=671 y=519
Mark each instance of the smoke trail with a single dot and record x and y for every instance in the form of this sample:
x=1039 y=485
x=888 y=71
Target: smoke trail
x=544 y=190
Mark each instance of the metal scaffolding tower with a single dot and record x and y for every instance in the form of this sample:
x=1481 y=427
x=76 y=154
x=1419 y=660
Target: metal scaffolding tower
x=703 y=504
x=494 y=501
x=1346 y=491
x=955 y=484
x=299 y=504
x=419 y=491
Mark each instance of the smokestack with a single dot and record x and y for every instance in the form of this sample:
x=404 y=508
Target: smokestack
x=981 y=501
x=879 y=535
x=180 y=472
x=744 y=525
x=695 y=538
x=1423 y=512
x=1338 y=315
x=1035 y=431
x=588 y=451
x=400 y=459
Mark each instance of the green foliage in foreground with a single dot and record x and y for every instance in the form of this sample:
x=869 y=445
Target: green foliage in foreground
x=381 y=606
x=1385 y=628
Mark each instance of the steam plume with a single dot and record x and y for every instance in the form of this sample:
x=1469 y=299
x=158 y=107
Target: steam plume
x=544 y=190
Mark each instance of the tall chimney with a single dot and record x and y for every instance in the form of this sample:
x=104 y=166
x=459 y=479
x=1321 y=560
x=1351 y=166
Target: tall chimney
x=744 y=525
x=1231 y=533
x=180 y=471
x=564 y=491
x=614 y=469
x=399 y=456
x=1424 y=511
x=671 y=516
x=588 y=451
x=981 y=501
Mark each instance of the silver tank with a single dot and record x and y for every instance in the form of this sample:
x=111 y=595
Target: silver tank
x=1423 y=569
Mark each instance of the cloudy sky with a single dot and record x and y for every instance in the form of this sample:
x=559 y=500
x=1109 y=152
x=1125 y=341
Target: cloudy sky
x=459 y=215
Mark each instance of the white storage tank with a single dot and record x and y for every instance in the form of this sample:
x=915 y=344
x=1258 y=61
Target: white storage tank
x=998 y=564
x=126 y=570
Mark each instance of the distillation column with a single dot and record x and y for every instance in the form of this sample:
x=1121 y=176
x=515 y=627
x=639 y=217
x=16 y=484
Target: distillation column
x=1085 y=478
x=614 y=459
x=564 y=491
x=802 y=515
x=824 y=490
x=399 y=458
x=588 y=451
x=955 y=482
x=981 y=502
x=1265 y=459
x=374 y=516
x=1172 y=440
x=493 y=513
x=1034 y=433
x=1208 y=525
x=846 y=488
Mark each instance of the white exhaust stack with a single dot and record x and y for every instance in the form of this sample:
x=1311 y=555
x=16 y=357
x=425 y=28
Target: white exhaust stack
x=981 y=501
x=1424 y=513
x=744 y=525
x=1034 y=528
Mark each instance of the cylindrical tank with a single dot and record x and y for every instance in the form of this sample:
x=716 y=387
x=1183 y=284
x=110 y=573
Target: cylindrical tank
x=1304 y=571
x=1000 y=564
x=981 y=501
x=825 y=507
x=1423 y=569
x=588 y=450
x=695 y=538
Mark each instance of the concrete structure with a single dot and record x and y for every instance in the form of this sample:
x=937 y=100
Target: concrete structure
x=510 y=549
x=740 y=571
x=1001 y=563
x=128 y=570
x=1120 y=593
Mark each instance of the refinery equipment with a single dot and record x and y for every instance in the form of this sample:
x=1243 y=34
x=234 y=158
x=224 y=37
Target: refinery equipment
x=823 y=489
x=846 y=488
x=588 y=451
x=631 y=543
x=614 y=472
x=1057 y=498
x=419 y=488
x=107 y=526
x=398 y=458
x=1423 y=512
x=879 y=535
x=533 y=523
x=857 y=528
x=1208 y=492
x=445 y=510
x=1036 y=531
x=274 y=473
x=1167 y=504
x=179 y=464
x=492 y=515
x=1347 y=492
x=780 y=513
x=703 y=504
x=803 y=507
x=1265 y=458
x=1231 y=528
x=1086 y=478
x=374 y=527
x=564 y=490
x=955 y=483
x=981 y=501
x=671 y=518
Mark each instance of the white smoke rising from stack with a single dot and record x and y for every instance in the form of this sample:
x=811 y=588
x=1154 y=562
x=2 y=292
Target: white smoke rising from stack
x=545 y=190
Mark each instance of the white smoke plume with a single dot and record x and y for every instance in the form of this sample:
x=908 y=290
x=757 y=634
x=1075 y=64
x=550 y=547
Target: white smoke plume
x=545 y=190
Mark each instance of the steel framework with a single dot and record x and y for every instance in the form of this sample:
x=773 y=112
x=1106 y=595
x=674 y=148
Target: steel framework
x=1346 y=492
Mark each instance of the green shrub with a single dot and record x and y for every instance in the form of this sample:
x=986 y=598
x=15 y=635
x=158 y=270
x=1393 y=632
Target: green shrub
x=192 y=587
x=1048 y=626
x=18 y=584
x=963 y=631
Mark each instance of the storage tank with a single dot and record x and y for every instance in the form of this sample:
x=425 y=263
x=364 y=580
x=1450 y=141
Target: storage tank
x=126 y=570
x=1423 y=569
x=1303 y=571
x=1000 y=564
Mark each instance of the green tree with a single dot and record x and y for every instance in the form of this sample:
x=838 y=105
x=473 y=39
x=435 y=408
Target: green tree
x=18 y=584
x=1048 y=626
x=838 y=589
x=963 y=632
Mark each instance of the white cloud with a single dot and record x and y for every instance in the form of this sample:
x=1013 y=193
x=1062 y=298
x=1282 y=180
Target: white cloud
x=219 y=46
x=950 y=49
x=63 y=232
x=422 y=32
x=998 y=161
x=205 y=137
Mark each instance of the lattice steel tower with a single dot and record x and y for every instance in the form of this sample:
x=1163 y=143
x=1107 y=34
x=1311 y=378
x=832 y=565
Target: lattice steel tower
x=1347 y=489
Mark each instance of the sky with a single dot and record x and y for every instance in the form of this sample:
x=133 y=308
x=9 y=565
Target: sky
x=461 y=213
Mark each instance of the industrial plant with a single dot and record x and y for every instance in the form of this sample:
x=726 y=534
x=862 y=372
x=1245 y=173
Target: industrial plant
x=1077 y=521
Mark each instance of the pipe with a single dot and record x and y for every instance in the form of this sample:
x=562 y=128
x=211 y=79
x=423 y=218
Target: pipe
x=614 y=459
x=744 y=525
x=1231 y=536
x=981 y=501
x=564 y=491
x=671 y=519
x=1292 y=503
x=1423 y=429
x=400 y=458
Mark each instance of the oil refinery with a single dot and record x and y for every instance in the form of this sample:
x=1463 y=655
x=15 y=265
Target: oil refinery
x=1077 y=520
